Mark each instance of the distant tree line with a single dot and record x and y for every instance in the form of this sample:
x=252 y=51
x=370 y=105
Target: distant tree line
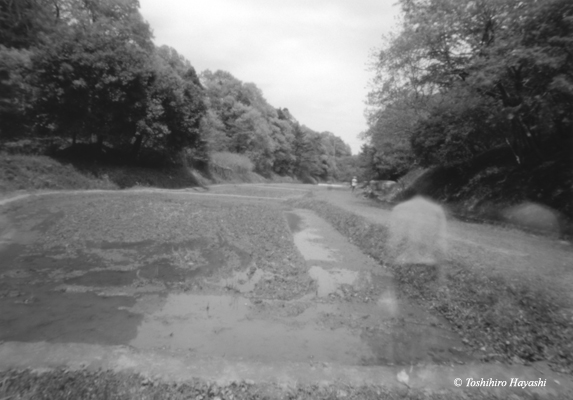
x=88 y=70
x=240 y=120
x=463 y=77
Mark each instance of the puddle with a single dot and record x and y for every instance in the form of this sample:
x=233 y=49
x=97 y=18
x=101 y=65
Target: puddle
x=243 y=281
x=47 y=294
x=125 y=245
x=307 y=240
x=224 y=326
x=310 y=248
x=410 y=343
x=294 y=222
x=328 y=281
x=123 y=263
x=164 y=273
x=315 y=312
x=37 y=315
x=103 y=278
x=232 y=327
x=388 y=303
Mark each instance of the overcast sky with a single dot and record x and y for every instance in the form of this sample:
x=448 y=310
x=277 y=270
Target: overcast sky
x=310 y=56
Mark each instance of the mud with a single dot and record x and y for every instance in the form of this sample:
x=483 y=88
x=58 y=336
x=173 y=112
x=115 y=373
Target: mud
x=210 y=290
x=329 y=281
x=228 y=326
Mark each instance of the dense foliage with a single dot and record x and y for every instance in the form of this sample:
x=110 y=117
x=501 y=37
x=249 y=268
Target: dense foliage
x=240 y=120
x=89 y=71
x=462 y=77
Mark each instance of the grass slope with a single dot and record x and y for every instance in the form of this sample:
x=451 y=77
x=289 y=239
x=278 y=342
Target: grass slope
x=24 y=172
x=484 y=186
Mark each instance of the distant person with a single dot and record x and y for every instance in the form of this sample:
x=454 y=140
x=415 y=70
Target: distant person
x=353 y=184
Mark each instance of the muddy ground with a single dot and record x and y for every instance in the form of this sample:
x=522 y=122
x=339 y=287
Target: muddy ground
x=227 y=286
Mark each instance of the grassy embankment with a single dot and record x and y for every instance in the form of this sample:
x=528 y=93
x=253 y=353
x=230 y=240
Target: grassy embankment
x=482 y=188
x=513 y=321
x=25 y=172
x=23 y=167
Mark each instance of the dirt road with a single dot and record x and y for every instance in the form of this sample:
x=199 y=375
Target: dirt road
x=225 y=285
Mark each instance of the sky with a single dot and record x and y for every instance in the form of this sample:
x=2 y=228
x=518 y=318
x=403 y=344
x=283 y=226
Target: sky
x=310 y=56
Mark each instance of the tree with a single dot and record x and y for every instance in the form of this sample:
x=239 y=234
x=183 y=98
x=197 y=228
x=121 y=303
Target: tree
x=481 y=73
x=349 y=167
x=246 y=117
x=174 y=109
x=308 y=149
x=213 y=131
x=16 y=93
x=459 y=126
x=241 y=120
x=528 y=72
x=25 y=23
x=104 y=78
x=92 y=83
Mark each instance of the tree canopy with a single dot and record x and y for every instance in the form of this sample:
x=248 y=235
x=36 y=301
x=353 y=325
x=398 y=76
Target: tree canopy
x=464 y=76
x=240 y=120
x=89 y=71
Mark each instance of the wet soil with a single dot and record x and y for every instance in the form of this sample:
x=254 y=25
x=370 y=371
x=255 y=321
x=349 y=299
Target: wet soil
x=197 y=277
x=207 y=278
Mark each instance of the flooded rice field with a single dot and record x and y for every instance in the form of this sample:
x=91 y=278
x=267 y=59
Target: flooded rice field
x=202 y=277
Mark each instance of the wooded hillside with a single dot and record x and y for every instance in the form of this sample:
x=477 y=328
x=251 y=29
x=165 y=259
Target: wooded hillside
x=463 y=78
x=88 y=71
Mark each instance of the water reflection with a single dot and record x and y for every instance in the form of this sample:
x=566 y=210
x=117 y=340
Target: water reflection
x=329 y=281
x=227 y=326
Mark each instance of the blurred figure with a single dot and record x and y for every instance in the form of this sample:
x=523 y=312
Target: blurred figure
x=417 y=233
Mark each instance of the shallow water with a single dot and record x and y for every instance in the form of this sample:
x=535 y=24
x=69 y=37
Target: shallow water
x=243 y=281
x=329 y=280
x=308 y=240
x=227 y=326
x=144 y=294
